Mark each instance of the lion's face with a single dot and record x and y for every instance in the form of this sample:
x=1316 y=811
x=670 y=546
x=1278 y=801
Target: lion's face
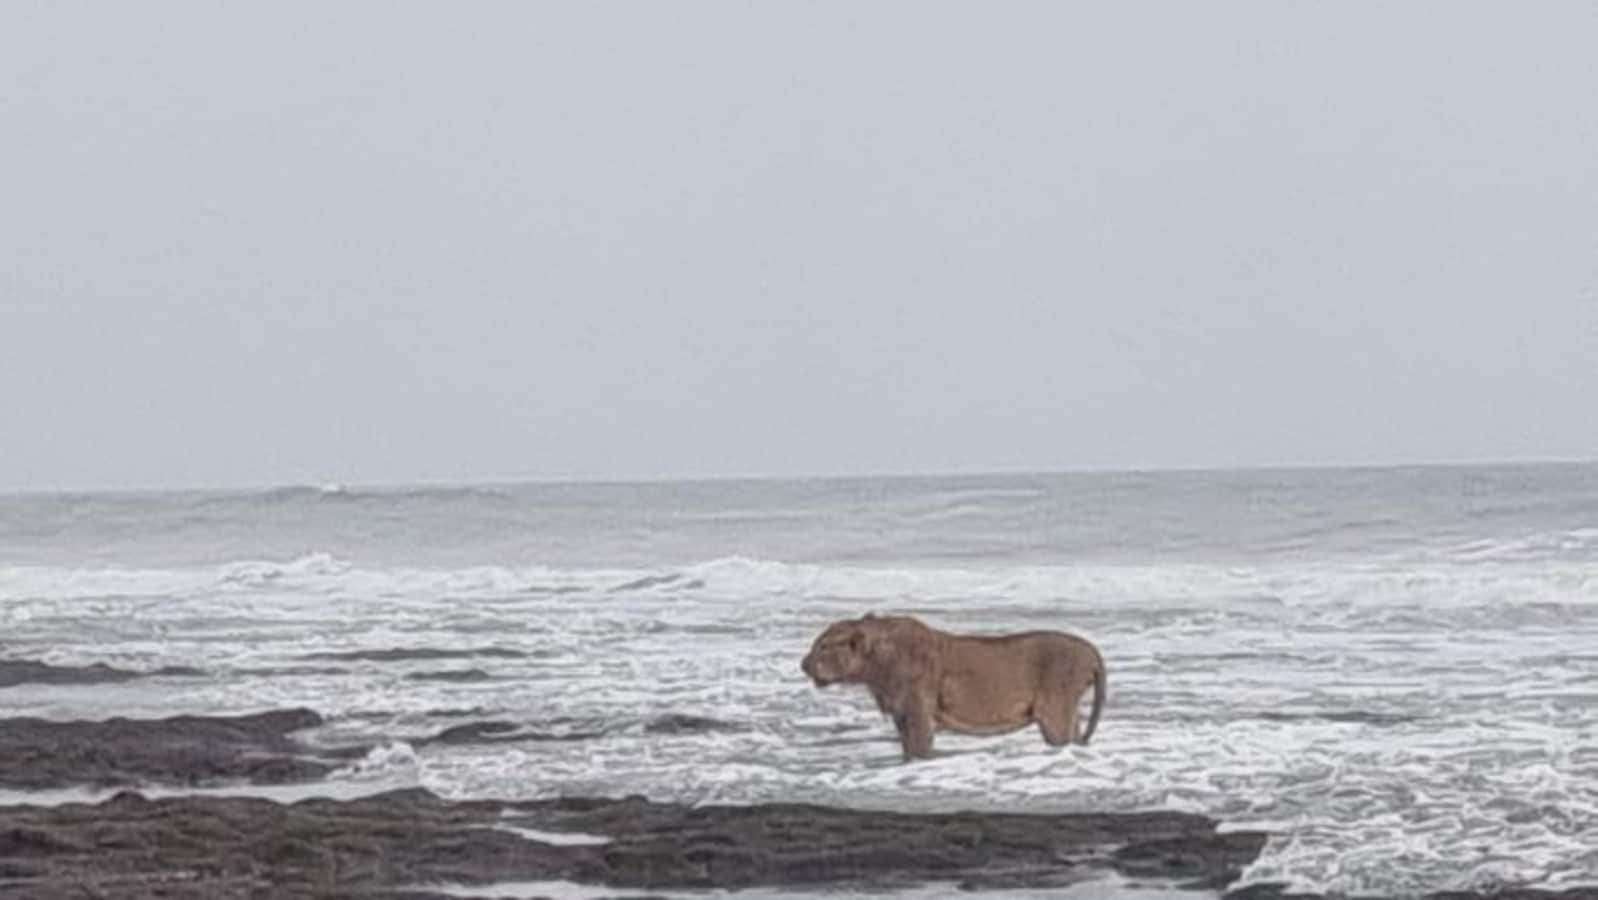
x=838 y=655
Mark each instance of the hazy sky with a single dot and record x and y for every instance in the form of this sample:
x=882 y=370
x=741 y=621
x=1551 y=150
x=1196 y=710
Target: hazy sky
x=258 y=243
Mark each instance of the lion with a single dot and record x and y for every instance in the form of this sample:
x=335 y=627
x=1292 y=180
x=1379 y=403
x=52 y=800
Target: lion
x=929 y=680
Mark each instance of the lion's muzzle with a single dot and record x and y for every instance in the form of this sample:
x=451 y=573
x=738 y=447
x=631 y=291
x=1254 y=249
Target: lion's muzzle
x=810 y=667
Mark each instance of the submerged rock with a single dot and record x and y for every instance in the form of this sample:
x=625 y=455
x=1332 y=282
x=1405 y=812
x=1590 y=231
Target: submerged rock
x=184 y=750
x=499 y=731
x=26 y=671
x=685 y=723
x=458 y=676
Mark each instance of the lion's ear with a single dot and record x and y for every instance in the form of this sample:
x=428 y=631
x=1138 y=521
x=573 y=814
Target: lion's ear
x=870 y=615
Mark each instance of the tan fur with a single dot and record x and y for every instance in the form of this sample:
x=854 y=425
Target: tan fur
x=930 y=680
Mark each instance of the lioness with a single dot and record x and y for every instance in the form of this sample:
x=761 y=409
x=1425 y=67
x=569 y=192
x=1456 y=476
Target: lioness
x=930 y=680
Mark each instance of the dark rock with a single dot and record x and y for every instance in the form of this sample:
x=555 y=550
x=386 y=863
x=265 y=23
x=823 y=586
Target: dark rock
x=179 y=671
x=664 y=845
x=247 y=847
x=1212 y=861
x=567 y=729
x=286 y=671
x=185 y=750
x=683 y=723
x=404 y=843
x=461 y=676
x=27 y=671
x=1026 y=879
x=477 y=733
x=382 y=845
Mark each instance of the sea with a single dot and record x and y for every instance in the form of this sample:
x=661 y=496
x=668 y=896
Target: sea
x=1394 y=671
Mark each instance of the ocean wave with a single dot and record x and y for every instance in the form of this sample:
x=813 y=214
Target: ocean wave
x=1387 y=720
x=1574 y=543
x=1351 y=586
x=388 y=761
x=340 y=492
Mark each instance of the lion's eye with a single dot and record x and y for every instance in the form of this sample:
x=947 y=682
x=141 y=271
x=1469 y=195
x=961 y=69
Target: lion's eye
x=855 y=640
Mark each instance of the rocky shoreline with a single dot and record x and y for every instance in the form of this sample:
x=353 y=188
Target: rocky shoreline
x=396 y=843
x=412 y=844
x=189 y=751
x=220 y=847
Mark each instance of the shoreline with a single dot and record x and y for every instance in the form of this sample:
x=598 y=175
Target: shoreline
x=217 y=806
x=411 y=843
x=133 y=846
x=202 y=834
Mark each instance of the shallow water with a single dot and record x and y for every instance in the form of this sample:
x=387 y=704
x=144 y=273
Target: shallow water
x=1395 y=671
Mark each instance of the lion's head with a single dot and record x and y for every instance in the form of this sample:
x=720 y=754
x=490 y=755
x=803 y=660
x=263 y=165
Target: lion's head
x=868 y=650
x=839 y=654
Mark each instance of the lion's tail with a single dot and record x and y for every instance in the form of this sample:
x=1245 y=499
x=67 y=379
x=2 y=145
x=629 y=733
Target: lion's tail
x=1100 y=684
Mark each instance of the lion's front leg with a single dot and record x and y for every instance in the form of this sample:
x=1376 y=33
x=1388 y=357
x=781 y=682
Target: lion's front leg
x=916 y=727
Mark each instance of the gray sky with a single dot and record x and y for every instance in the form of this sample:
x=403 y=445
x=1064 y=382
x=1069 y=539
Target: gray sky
x=252 y=243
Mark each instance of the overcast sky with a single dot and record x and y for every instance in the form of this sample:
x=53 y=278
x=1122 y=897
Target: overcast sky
x=264 y=243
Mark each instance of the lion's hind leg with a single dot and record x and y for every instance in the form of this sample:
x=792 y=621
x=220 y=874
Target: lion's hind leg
x=1055 y=713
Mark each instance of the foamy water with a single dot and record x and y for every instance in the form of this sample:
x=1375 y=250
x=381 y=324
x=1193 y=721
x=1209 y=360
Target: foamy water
x=1416 y=717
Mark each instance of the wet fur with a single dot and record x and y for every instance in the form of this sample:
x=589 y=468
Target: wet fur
x=929 y=680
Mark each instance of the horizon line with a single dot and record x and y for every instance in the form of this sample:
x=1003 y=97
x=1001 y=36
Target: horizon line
x=931 y=474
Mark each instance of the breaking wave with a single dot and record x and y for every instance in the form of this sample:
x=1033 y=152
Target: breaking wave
x=1400 y=726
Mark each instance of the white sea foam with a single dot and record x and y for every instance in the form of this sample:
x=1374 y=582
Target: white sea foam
x=556 y=838
x=1400 y=725
x=384 y=761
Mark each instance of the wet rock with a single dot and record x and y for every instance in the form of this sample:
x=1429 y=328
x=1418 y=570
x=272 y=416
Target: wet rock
x=1211 y=861
x=568 y=729
x=457 y=676
x=26 y=671
x=292 y=671
x=477 y=733
x=683 y=723
x=664 y=845
x=411 y=844
x=220 y=847
x=185 y=750
x=378 y=846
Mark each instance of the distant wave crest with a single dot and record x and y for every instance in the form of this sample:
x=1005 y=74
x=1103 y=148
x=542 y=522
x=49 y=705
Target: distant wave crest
x=1356 y=588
